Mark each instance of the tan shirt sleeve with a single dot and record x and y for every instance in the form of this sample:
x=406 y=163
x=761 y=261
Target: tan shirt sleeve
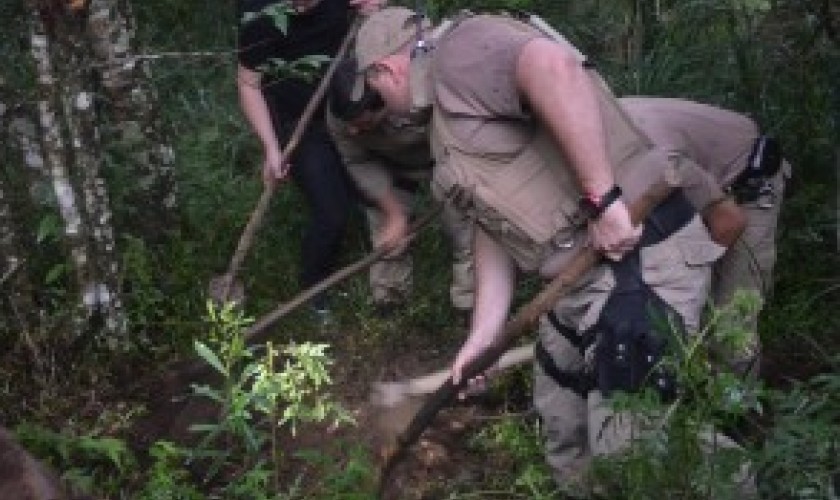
x=368 y=172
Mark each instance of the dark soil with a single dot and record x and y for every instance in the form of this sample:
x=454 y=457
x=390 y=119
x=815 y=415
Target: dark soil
x=440 y=456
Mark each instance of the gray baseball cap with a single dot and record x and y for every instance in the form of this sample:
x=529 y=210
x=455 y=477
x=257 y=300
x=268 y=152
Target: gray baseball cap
x=381 y=34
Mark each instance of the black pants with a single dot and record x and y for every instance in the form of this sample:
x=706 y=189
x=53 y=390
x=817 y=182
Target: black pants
x=319 y=173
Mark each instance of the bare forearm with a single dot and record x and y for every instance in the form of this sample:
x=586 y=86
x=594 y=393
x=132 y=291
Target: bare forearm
x=394 y=230
x=494 y=274
x=389 y=204
x=255 y=107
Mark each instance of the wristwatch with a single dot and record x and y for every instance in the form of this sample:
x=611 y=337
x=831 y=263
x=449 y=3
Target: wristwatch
x=593 y=206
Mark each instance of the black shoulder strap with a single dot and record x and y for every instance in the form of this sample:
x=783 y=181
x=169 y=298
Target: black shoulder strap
x=579 y=382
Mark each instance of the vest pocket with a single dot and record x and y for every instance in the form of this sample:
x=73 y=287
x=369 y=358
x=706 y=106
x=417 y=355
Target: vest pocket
x=530 y=190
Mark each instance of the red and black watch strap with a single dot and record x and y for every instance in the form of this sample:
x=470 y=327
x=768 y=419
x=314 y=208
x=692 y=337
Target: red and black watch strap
x=593 y=207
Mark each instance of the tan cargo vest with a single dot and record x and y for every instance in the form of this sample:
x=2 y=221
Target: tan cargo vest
x=527 y=197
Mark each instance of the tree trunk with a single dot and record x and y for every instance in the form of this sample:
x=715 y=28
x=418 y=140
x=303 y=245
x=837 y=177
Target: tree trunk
x=86 y=148
x=136 y=127
x=92 y=108
x=21 y=320
x=13 y=277
x=73 y=157
x=20 y=312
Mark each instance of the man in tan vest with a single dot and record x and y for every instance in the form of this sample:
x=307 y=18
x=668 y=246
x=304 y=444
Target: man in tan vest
x=739 y=164
x=388 y=158
x=531 y=145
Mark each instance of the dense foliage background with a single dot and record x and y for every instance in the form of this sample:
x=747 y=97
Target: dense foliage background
x=777 y=60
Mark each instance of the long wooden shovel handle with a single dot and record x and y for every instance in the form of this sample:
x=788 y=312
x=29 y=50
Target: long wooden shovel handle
x=257 y=215
x=259 y=330
x=521 y=324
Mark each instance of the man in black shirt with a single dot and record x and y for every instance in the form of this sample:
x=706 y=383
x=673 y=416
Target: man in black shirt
x=272 y=105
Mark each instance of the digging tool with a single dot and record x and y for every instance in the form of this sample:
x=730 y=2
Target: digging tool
x=522 y=323
x=392 y=394
x=259 y=330
x=394 y=404
x=227 y=285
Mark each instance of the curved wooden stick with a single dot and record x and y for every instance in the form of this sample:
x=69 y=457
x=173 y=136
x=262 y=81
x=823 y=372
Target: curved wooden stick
x=247 y=237
x=521 y=324
x=259 y=330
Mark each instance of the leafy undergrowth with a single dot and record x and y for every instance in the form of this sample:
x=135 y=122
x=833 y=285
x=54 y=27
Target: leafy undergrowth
x=117 y=425
x=132 y=434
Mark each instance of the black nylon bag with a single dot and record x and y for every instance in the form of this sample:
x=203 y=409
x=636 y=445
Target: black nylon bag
x=634 y=332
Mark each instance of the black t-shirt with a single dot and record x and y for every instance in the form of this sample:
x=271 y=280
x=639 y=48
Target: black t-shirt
x=318 y=31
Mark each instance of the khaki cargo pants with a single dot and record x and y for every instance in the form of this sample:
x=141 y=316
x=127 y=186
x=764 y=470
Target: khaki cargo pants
x=391 y=278
x=575 y=427
x=748 y=265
